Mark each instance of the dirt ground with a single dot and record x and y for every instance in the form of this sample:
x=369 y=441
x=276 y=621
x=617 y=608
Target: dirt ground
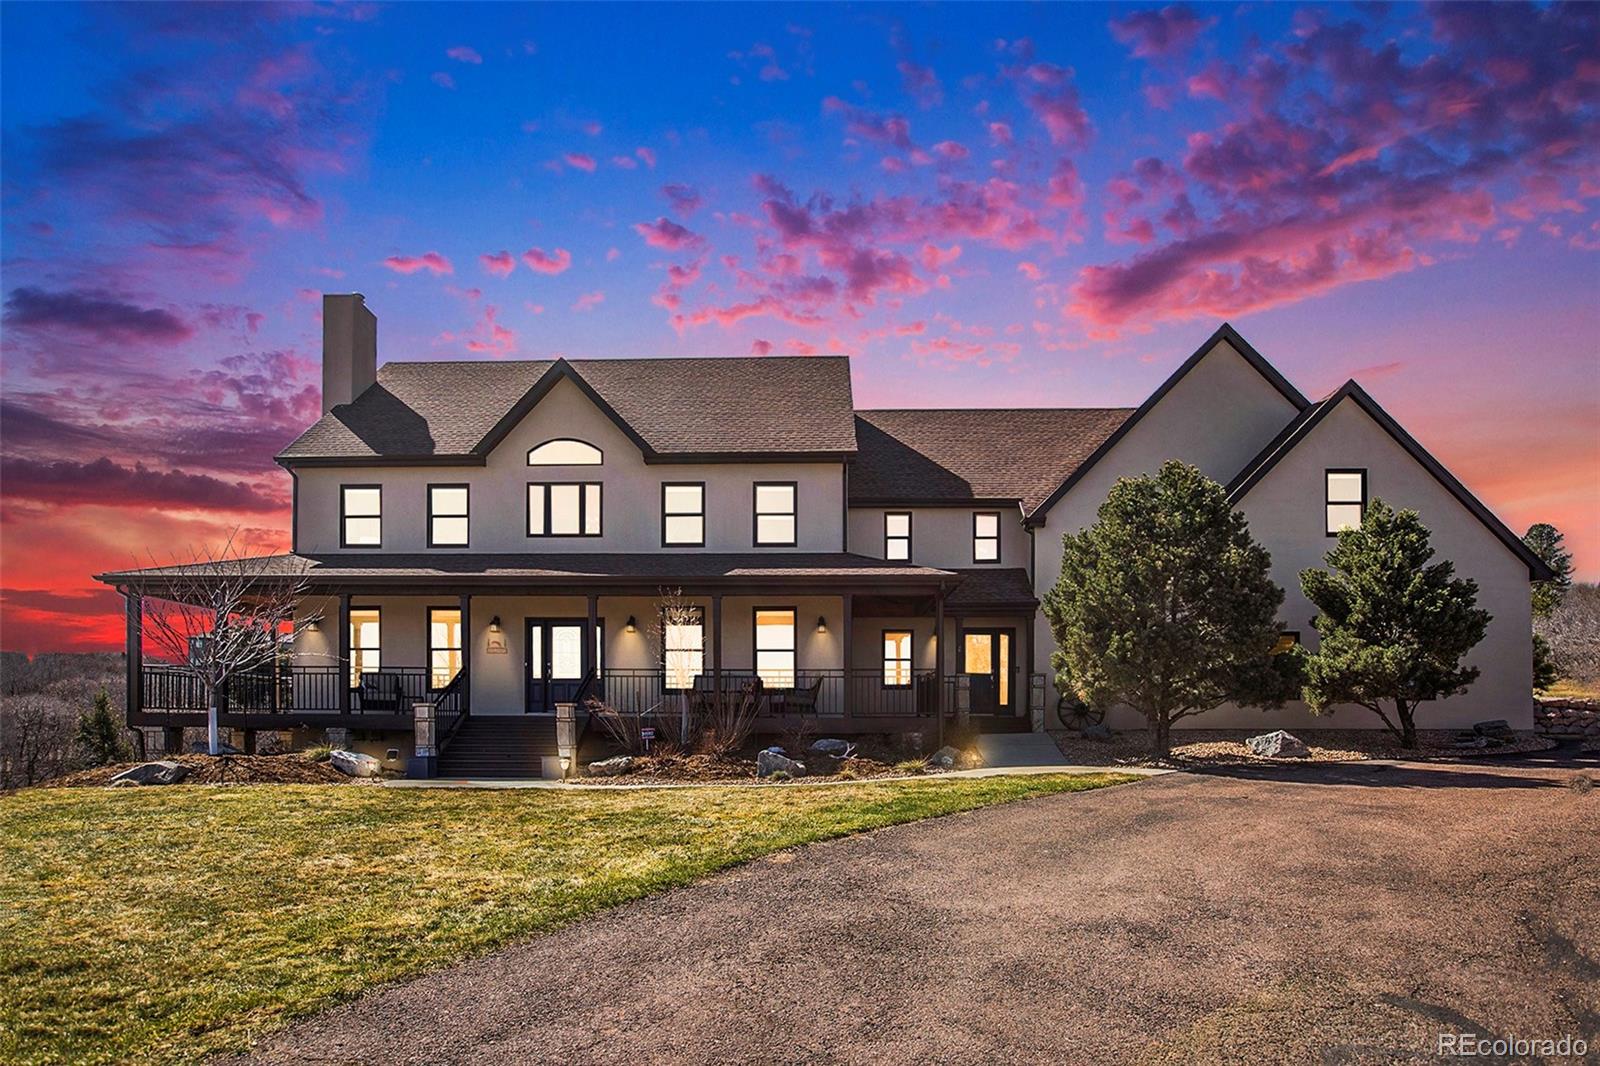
x=1218 y=747
x=287 y=769
x=1346 y=913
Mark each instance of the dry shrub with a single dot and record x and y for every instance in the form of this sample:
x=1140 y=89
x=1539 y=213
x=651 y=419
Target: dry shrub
x=726 y=723
x=1581 y=783
x=625 y=728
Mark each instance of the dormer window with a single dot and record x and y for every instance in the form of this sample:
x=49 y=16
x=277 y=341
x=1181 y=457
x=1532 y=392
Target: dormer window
x=565 y=452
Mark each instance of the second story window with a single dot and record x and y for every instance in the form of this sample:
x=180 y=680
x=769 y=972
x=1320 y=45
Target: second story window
x=1346 y=499
x=447 y=516
x=683 y=514
x=361 y=516
x=565 y=452
x=897 y=536
x=775 y=525
x=986 y=537
x=564 y=509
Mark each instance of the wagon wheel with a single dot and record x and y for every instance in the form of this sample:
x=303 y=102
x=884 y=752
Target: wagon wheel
x=1075 y=714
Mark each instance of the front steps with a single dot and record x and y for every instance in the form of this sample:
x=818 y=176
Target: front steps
x=500 y=746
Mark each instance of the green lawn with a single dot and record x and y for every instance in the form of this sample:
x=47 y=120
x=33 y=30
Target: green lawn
x=168 y=924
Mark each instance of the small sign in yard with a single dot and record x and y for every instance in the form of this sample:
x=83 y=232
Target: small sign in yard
x=647 y=734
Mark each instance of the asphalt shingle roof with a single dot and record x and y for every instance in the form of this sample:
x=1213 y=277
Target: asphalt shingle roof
x=947 y=456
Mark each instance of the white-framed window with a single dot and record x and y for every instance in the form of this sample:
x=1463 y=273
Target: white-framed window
x=1345 y=500
x=683 y=646
x=564 y=509
x=775 y=646
x=896 y=658
x=897 y=536
x=444 y=645
x=447 y=516
x=683 y=514
x=361 y=516
x=366 y=642
x=565 y=452
x=986 y=537
x=775 y=513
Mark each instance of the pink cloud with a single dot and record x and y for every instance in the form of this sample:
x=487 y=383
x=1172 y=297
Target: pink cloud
x=580 y=161
x=921 y=83
x=625 y=162
x=432 y=262
x=951 y=150
x=666 y=234
x=541 y=262
x=760 y=347
x=999 y=133
x=592 y=128
x=500 y=264
x=589 y=301
x=443 y=80
x=1151 y=34
x=464 y=54
x=647 y=155
x=1030 y=271
x=880 y=129
x=683 y=198
x=490 y=337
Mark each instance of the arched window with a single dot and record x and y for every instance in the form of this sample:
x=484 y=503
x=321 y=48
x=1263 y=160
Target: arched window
x=565 y=453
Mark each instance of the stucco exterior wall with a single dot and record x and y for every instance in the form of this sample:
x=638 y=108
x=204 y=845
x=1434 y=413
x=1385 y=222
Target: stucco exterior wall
x=942 y=536
x=1217 y=418
x=630 y=498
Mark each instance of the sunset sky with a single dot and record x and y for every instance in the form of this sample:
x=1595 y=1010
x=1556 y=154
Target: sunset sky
x=984 y=205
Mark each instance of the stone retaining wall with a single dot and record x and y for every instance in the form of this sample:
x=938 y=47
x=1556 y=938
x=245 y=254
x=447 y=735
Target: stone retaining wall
x=1567 y=718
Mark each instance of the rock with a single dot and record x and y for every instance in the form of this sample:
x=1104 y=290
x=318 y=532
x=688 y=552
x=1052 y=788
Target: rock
x=200 y=747
x=620 y=764
x=1095 y=731
x=151 y=773
x=1495 y=727
x=837 y=748
x=945 y=758
x=770 y=762
x=1278 y=745
x=354 y=763
x=777 y=749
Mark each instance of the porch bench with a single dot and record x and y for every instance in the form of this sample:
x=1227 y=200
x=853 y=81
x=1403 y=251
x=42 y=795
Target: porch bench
x=380 y=692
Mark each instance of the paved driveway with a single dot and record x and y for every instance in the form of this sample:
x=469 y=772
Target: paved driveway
x=1339 y=915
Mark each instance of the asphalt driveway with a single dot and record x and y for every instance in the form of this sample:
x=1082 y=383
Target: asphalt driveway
x=1349 y=914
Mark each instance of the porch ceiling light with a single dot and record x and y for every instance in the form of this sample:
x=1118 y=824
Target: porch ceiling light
x=494 y=624
x=633 y=626
x=822 y=624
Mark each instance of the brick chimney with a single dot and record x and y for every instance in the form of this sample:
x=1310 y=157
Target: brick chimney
x=349 y=348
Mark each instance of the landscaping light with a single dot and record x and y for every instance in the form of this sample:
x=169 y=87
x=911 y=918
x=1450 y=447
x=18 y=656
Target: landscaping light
x=633 y=627
x=822 y=624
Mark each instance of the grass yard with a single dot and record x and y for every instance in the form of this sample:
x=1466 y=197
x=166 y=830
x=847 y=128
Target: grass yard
x=169 y=924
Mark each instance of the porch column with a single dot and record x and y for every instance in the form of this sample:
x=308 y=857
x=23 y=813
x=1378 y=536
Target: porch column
x=849 y=680
x=589 y=641
x=135 y=653
x=466 y=652
x=342 y=680
x=938 y=661
x=716 y=643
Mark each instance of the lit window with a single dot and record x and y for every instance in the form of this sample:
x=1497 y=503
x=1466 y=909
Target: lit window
x=683 y=646
x=897 y=536
x=564 y=510
x=775 y=646
x=896 y=659
x=775 y=514
x=565 y=453
x=444 y=645
x=683 y=513
x=986 y=537
x=447 y=516
x=1286 y=640
x=366 y=656
x=1346 y=499
x=361 y=514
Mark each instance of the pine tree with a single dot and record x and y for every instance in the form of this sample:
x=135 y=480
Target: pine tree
x=1548 y=543
x=99 y=739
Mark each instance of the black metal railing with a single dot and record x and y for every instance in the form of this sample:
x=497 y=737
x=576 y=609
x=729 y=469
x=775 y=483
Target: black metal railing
x=820 y=693
x=302 y=690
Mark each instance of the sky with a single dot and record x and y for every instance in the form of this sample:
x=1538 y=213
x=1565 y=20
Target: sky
x=983 y=205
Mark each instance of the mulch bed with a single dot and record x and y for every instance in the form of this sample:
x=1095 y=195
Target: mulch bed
x=673 y=767
x=289 y=769
x=1222 y=747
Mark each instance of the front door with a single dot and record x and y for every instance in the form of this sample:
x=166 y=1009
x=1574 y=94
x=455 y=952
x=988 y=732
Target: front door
x=555 y=663
x=986 y=658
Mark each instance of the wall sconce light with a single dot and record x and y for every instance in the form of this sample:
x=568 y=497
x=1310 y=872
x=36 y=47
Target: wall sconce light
x=633 y=626
x=822 y=624
x=494 y=624
x=314 y=626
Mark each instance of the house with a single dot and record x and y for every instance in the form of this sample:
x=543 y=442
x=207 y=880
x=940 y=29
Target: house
x=490 y=537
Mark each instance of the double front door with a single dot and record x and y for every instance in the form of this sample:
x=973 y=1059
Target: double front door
x=555 y=663
x=987 y=658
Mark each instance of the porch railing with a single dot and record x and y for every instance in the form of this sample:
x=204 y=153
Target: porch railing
x=302 y=690
x=820 y=693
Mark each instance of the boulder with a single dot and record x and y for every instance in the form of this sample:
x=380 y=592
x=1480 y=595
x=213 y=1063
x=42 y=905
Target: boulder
x=945 y=758
x=828 y=746
x=770 y=762
x=1278 y=745
x=151 y=773
x=619 y=764
x=1495 y=727
x=1095 y=731
x=354 y=763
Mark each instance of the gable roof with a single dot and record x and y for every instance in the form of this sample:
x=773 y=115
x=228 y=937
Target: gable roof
x=1302 y=425
x=973 y=455
x=675 y=410
x=1225 y=332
